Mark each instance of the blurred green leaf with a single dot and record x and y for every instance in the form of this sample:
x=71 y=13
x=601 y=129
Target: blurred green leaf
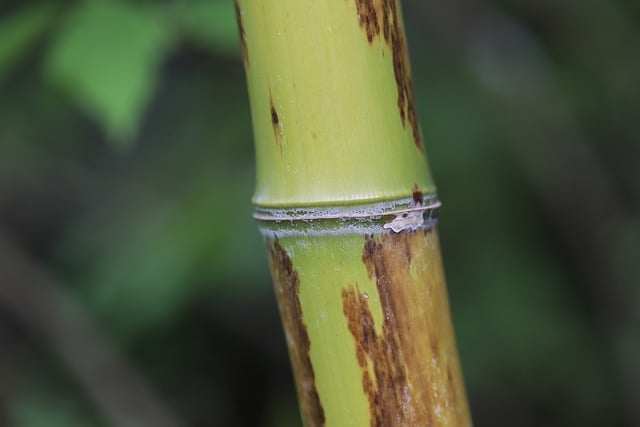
x=150 y=268
x=107 y=57
x=176 y=225
x=20 y=31
x=210 y=23
x=545 y=333
x=47 y=408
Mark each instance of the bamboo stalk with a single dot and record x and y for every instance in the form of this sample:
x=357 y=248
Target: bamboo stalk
x=348 y=209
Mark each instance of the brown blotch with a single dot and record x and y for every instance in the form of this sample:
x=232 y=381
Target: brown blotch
x=275 y=123
x=435 y=349
x=403 y=371
x=450 y=383
x=385 y=388
x=287 y=286
x=243 y=36
x=418 y=197
x=382 y=18
x=368 y=17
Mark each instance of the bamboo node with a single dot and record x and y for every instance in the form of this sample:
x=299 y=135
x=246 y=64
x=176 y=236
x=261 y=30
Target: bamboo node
x=407 y=214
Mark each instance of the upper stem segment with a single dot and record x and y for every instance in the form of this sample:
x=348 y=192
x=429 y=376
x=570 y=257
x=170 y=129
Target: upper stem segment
x=332 y=102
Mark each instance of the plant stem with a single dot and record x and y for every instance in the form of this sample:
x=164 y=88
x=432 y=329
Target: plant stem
x=348 y=210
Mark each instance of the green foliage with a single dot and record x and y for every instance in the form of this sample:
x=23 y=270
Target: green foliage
x=108 y=56
x=173 y=231
x=209 y=23
x=45 y=407
x=20 y=31
x=141 y=274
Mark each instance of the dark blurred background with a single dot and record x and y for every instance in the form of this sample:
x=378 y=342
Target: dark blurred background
x=134 y=288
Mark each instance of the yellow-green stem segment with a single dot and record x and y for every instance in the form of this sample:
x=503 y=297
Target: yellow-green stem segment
x=362 y=298
x=332 y=102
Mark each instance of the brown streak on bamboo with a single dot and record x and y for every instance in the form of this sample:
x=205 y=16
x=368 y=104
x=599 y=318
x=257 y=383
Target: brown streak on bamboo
x=287 y=286
x=409 y=370
x=275 y=123
x=370 y=13
x=242 y=34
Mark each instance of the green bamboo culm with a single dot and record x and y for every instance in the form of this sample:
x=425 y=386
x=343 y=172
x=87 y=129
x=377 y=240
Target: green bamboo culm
x=348 y=209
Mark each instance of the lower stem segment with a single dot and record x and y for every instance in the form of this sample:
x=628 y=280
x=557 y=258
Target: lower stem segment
x=366 y=319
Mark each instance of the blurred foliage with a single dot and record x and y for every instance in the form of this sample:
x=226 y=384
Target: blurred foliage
x=19 y=31
x=126 y=176
x=107 y=55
